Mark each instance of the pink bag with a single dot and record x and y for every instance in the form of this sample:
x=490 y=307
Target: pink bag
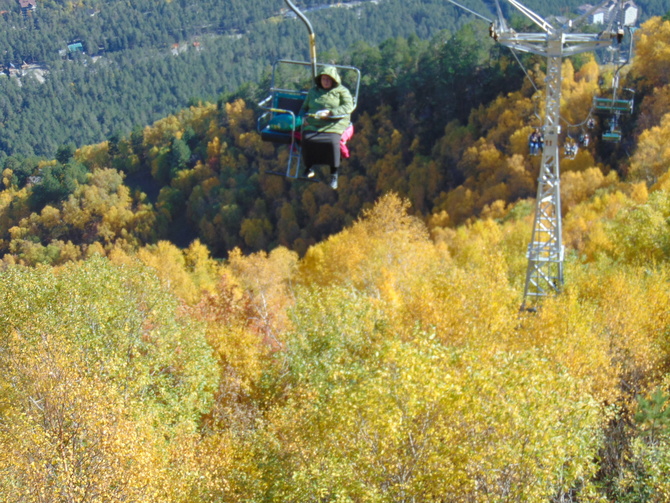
x=346 y=136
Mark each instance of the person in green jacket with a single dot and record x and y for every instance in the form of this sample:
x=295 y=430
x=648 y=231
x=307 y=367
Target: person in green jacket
x=327 y=113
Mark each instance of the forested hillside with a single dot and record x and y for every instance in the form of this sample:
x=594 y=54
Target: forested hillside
x=145 y=59
x=176 y=325
x=443 y=123
x=201 y=173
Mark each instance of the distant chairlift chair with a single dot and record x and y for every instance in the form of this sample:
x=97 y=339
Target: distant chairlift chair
x=614 y=108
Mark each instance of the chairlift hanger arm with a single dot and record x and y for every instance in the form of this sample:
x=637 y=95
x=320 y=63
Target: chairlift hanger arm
x=624 y=62
x=501 y=18
x=312 y=42
x=616 y=17
x=538 y=20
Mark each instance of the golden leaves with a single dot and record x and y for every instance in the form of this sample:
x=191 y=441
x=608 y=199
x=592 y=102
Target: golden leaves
x=652 y=156
x=652 y=52
x=404 y=371
x=373 y=417
x=101 y=382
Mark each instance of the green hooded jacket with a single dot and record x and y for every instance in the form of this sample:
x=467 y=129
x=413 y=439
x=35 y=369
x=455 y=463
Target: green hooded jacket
x=337 y=99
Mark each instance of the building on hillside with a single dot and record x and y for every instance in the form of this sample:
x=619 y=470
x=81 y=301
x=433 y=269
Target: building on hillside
x=33 y=180
x=27 y=5
x=75 y=47
x=72 y=48
x=631 y=12
x=603 y=15
x=599 y=16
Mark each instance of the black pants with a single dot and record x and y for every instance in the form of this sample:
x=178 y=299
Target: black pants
x=321 y=148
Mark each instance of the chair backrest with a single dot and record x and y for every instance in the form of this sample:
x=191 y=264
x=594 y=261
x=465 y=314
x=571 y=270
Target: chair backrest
x=286 y=101
x=612 y=105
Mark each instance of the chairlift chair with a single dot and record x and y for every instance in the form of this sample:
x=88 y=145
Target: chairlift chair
x=612 y=136
x=613 y=132
x=281 y=122
x=612 y=105
x=615 y=106
x=570 y=148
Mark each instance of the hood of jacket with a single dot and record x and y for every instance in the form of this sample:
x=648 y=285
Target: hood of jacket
x=331 y=71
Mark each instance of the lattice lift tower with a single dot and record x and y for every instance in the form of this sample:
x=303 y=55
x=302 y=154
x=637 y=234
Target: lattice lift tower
x=544 y=275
